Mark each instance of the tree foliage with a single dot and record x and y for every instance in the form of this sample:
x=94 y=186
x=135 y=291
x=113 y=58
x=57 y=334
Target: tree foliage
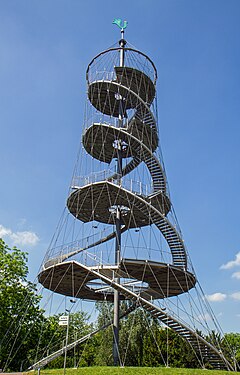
x=231 y=345
x=20 y=314
x=27 y=335
x=143 y=342
x=54 y=338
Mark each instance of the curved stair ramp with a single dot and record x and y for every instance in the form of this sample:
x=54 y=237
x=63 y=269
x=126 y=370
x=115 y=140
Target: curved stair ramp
x=46 y=360
x=205 y=351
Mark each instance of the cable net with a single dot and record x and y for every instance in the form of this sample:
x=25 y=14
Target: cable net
x=120 y=169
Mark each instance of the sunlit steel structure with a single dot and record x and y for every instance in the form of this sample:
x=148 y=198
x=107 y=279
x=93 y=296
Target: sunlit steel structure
x=131 y=247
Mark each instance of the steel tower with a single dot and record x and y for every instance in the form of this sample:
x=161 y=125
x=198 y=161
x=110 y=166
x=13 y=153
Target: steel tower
x=120 y=188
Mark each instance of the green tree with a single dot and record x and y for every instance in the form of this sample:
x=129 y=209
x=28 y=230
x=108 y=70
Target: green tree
x=231 y=347
x=143 y=342
x=133 y=330
x=104 y=338
x=20 y=314
x=53 y=338
x=164 y=347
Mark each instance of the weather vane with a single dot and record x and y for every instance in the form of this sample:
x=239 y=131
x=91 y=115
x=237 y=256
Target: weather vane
x=118 y=22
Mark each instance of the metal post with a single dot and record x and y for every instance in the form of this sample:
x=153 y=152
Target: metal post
x=122 y=44
x=65 y=355
x=75 y=339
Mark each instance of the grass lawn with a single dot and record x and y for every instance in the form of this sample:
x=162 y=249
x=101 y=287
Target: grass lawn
x=133 y=371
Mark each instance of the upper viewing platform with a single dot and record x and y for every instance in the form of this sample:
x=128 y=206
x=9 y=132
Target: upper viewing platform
x=111 y=85
x=109 y=59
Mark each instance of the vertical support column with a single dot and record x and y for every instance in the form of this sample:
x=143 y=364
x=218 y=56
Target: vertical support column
x=122 y=44
x=116 y=361
x=117 y=261
x=116 y=293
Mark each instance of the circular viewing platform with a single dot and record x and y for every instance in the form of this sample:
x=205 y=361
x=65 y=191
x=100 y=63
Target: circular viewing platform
x=129 y=88
x=152 y=280
x=93 y=201
x=98 y=140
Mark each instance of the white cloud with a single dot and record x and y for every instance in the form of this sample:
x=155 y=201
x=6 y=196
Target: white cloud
x=232 y=263
x=24 y=238
x=4 y=231
x=235 y=296
x=236 y=275
x=216 y=297
x=19 y=238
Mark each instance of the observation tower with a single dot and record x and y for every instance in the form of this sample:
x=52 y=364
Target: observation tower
x=120 y=239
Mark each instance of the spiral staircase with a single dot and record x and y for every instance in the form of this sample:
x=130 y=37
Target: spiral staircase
x=125 y=96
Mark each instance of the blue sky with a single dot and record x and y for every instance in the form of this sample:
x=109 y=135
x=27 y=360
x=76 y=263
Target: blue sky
x=45 y=47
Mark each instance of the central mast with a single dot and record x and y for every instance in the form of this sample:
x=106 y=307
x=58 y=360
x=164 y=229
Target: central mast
x=118 y=145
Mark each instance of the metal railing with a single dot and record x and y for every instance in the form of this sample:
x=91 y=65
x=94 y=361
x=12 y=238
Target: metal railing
x=102 y=75
x=136 y=187
x=60 y=251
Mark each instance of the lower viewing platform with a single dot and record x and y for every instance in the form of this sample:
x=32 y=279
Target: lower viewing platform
x=149 y=279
